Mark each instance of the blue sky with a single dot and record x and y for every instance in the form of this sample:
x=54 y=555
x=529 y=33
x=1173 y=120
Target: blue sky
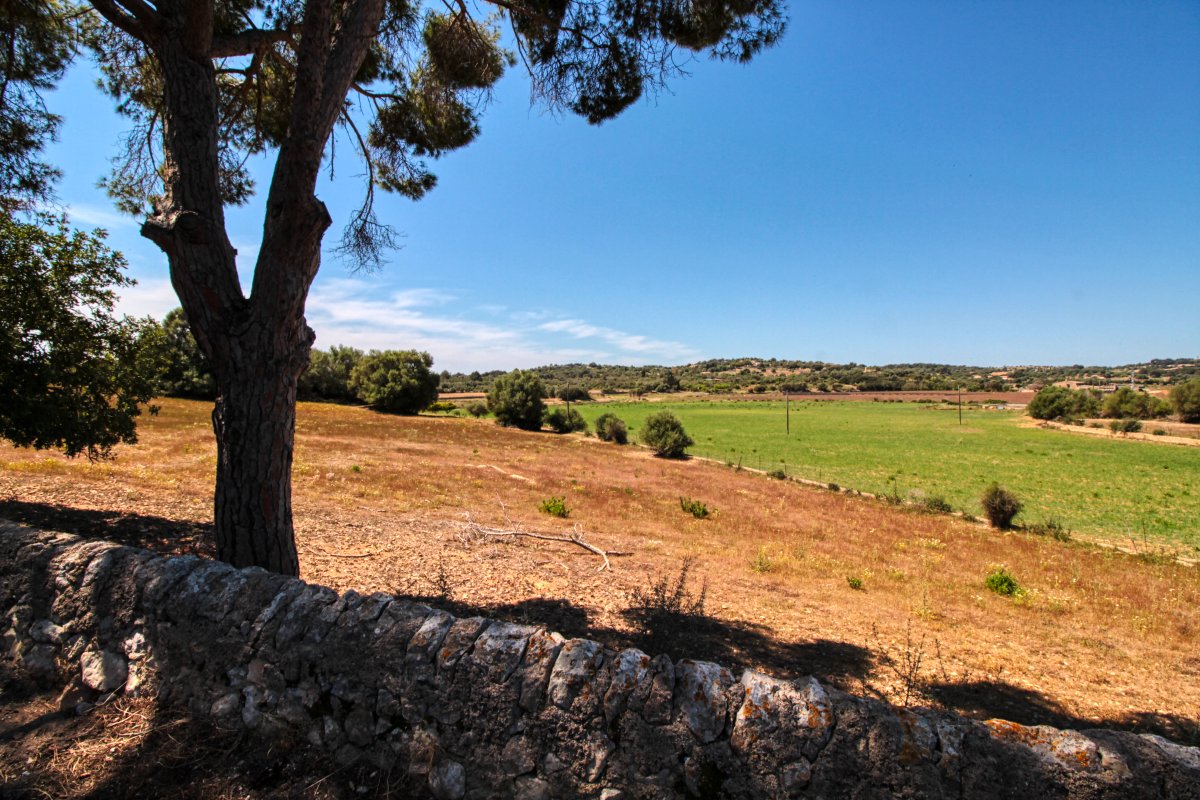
x=984 y=183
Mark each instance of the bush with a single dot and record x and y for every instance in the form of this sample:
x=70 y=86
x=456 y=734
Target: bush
x=1158 y=432
x=1125 y=425
x=777 y=474
x=611 y=428
x=477 y=409
x=1185 y=397
x=395 y=381
x=441 y=407
x=855 y=582
x=1052 y=528
x=1125 y=403
x=327 y=377
x=1059 y=402
x=696 y=508
x=664 y=434
x=516 y=400
x=1000 y=506
x=1002 y=582
x=562 y=421
x=554 y=506
x=936 y=504
x=573 y=394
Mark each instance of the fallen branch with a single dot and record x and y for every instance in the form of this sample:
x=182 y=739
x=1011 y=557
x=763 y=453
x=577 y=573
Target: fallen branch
x=351 y=555
x=575 y=538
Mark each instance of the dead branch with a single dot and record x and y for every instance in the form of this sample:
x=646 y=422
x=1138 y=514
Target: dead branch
x=576 y=537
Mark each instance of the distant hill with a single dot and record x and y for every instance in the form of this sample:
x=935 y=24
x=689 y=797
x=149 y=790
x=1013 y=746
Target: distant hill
x=719 y=375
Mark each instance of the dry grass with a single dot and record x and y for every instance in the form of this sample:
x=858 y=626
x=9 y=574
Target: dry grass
x=1097 y=638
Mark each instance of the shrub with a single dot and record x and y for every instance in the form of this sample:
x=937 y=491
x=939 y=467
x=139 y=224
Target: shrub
x=554 y=506
x=1000 y=506
x=1002 y=582
x=395 y=381
x=777 y=474
x=1125 y=425
x=1185 y=397
x=611 y=428
x=573 y=394
x=477 y=409
x=1050 y=527
x=1158 y=432
x=562 y=421
x=696 y=508
x=1126 y=403
x=763 y=561
x=664 y=434
x=855 y=582
x=441 y=407
x=1059 y=402
x=936 y=504
x=516 y=400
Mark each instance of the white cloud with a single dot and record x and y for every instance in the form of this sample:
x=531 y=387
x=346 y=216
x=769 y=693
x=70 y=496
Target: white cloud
x=149 y=297
x=355 y=312
x=84 y=214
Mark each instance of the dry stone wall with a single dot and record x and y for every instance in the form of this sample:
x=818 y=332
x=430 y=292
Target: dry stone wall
x=474 y=708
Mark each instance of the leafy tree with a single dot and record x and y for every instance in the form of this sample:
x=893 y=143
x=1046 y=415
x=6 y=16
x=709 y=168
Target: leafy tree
x=37 y=42
x=1059 y=402
x=328 y=375
x=395 y=381
x=573 y=394
x=1186 y=399
x=563 y=421
x=663 y=433
x=1126 y=403
x=207 y=83
x=185 y=372
x=515 y=400
x=72 y=375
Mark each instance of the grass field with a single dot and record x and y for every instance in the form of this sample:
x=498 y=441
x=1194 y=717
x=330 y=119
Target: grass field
x=1111 y=488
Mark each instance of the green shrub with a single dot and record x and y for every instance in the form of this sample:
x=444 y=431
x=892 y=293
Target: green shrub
x=516 y=400
x=441 y=407
x=1185 y=397
x=663 y=433
x=1158 y=432
x=611 y=428
x=477 y=409
x=573 y=394
x=554 y=506
x=1059 y=402
x=855 y=582
x=696 y=508
x=833 y=487
x=777 y=474
x=1002 y=582
x=1125 y=425
x=1000 y=506
x=395 y=381
x=1127 y=403
x=562 y=421
x=763 y=561
x=936 y=504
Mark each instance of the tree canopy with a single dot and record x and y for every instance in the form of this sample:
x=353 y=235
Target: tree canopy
x=72 y=374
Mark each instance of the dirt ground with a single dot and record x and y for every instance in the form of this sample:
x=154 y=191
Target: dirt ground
x=399 y=505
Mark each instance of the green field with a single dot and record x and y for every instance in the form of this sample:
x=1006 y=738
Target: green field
x=1115 y=488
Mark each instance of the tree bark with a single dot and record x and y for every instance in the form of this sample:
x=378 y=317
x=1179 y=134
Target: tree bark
x=254 y=421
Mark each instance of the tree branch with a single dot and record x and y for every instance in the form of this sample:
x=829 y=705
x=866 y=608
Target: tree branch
x=248 y=41
x=115 y=15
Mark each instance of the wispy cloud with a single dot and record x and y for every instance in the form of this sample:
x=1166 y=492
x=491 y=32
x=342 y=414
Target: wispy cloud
x=354 y=312
x=150 y=297
x=84 y=214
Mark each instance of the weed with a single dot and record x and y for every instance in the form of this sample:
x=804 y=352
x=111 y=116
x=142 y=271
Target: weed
x=1050 y=527
x=665 y=598
x=1158 y=432
x=763 y=561
x=356 y=468
x=903 y=664
x=554 y=506
x=1002 y=582
x=443 y=586
x=696 y=508
x=969 y=517
x=855 y=582
x=778 y=474
x=833 y=487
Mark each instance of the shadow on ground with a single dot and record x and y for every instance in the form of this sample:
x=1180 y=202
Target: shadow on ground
x=162 y=535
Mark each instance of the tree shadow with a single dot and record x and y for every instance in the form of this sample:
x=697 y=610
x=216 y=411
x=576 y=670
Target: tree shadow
x=159 y=534
x=984 y=699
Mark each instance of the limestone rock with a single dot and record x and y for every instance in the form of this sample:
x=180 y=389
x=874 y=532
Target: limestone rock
x=103 y=671
x=701 y=696
x=448 y=780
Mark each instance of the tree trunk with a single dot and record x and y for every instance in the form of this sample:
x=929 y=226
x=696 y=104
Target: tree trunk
x=254 y=421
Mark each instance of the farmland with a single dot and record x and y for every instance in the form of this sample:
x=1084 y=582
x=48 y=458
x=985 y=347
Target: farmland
x=1101 y=487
